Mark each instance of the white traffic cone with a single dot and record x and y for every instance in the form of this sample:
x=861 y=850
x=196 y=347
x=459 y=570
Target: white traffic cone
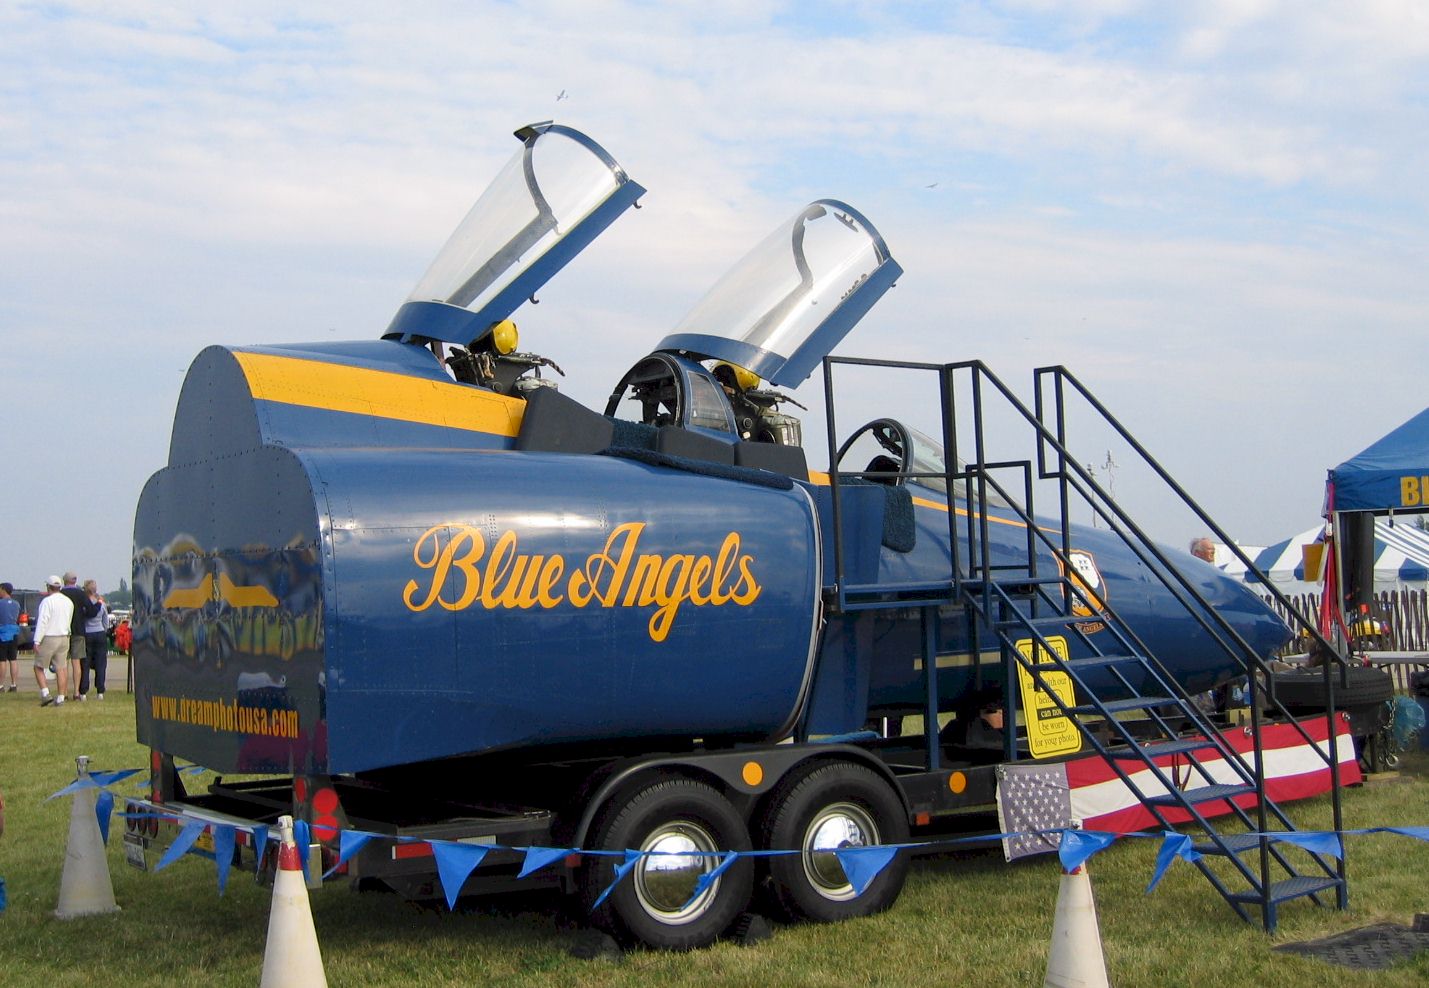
x=1076 y=959
x=85 y=887
x=291 y=958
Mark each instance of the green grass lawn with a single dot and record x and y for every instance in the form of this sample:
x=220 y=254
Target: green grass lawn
x=964 y=918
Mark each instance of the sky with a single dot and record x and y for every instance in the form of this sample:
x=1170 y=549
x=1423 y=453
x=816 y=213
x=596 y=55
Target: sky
x=1212 y=212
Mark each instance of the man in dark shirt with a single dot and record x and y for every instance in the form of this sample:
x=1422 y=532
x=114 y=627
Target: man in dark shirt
x=84 y=609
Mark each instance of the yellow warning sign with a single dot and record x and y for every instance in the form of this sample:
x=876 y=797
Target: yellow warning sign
x=1048 y=731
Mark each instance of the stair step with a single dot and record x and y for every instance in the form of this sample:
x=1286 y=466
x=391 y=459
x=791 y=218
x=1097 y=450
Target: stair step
x=1050 y=623
x=1159 y=748
x=1204 y=794
x=1121 y=706
x=1290 y=888
x=1096 y=661
x=1234 y=844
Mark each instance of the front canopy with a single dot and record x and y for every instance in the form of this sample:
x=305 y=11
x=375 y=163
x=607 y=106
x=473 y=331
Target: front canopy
x=1390 y=475
x=555 y=195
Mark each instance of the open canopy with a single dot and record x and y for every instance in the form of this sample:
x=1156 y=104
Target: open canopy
x=1390 y=475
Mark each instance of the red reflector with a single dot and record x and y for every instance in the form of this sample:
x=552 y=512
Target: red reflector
x=922 y=819
x=572 y=860
x=421 y=849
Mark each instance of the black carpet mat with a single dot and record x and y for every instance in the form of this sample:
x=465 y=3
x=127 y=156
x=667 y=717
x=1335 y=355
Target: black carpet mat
x=1369 y=948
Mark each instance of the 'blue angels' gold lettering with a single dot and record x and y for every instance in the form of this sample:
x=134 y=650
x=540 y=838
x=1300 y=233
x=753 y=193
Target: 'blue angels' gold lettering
x=456 y=556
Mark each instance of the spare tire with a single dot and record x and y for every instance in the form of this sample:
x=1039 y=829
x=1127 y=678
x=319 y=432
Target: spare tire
x=1305 y=691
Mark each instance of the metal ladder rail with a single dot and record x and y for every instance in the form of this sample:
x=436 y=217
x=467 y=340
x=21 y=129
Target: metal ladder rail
x=1252 y=775
x=1145 y=548
x=1154 y=808
x=1061 y=377
x=1229 y=847
x=1209 y=739
x=1263 y=805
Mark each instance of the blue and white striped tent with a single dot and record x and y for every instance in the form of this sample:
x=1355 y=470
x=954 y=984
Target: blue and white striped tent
x=1401 y=558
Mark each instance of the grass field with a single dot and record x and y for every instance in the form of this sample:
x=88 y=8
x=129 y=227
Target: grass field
x=964 y=918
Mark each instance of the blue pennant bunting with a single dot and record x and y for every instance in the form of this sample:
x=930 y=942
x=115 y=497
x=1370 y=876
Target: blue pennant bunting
x=538 y=857
x=1418 y=833
x=224 y=838
x=349 y=842
x=710 y=877
x=103 y=809
x=1173 y=846
x=302 y=836
x=454 y=862
x=78 y=785
x=181 y=844
x=110 y=778
x=632 y=858
x=1315 y=842
x=861 y=865
x=260 y=844
x=1079 y=845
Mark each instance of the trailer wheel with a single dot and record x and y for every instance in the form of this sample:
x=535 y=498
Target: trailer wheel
x=839 y=804
x=685 y=822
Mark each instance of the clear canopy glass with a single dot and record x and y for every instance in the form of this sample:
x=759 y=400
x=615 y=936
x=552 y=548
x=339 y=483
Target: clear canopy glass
x=547 y=188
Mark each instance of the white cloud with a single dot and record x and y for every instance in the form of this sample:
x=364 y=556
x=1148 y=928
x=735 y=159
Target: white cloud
x=1125 y=187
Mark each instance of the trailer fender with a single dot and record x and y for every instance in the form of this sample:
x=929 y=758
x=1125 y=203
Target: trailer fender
x=744 y=776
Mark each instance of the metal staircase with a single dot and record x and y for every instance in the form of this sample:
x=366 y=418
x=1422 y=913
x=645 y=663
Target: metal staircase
x=1034 y=609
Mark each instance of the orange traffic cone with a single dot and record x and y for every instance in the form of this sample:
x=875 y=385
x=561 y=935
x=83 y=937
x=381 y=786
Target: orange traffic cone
x=85 y=887
x=1076 y=959
x=291 y=958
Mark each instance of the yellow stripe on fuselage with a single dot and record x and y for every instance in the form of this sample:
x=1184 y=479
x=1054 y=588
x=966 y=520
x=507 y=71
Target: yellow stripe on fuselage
x=822 y=480
x=384 y=394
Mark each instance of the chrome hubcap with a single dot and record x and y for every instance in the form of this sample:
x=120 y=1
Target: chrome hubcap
x=665 y=879
x=836 y=825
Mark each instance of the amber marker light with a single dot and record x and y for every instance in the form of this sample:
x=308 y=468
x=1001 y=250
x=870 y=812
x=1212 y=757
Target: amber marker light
x=752 y=773
x=957 y=782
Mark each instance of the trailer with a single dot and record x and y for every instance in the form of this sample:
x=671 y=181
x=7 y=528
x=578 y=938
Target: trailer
x=407 y=587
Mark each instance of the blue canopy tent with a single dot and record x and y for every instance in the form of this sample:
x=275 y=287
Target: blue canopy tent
x=1390 y=475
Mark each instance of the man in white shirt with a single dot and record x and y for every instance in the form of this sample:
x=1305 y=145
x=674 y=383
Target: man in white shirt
x=52 y=627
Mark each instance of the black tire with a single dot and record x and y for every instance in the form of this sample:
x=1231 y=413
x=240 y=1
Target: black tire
x=649 y=906
x=1300 y=691
x=835 y=805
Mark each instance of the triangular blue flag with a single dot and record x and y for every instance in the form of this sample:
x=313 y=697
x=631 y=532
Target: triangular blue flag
x=1315 y=842
x=110 y=778
x=1173 y=846
x=260 y=844
x=103 y=808
x=83 y=782
x=632 y=858
x=710 y=877
x=861 y=865
x=181 y=844
x=538 y=857
x=1418 y=833
x=302 y=836
x=223 y=840
x=454 y=862
x=349 y=842
x=1079 y=845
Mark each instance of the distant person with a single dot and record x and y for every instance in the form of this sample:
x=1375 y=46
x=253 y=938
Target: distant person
x=1204 y=548
x=96 y=643
x=987 y=730
x=52 y=630
x=9 y=638
x=83 y=609
x=123 y=636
